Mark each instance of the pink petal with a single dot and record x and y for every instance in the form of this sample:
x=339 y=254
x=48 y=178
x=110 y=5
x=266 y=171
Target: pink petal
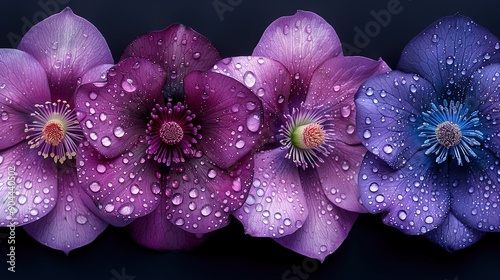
x=29 y=185
x=22 y=85
x=155 y=231
x=202 y=196
x=114 y=115
x=123 y=188
x=179 y=50
x=276 y=205
x=230 y=116
x=301 y=42
x=326 y=226
x=66 y=46
x=70 y=224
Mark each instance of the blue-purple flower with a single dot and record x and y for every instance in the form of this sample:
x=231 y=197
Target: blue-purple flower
x=169 y=148
x=304 y=192
x=432 y=131
x=39 y=133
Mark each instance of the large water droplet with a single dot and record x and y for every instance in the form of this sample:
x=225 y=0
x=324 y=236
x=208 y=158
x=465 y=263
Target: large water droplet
x=240 y=144
x=105 y=141
x=177 y=199
x=206 y=210
x=212 y=173
x=128 y=85
x=249 y=79
x=126 y=209
x=118 y=131
x=80 y=219
x=253 y=123
x=95 y=186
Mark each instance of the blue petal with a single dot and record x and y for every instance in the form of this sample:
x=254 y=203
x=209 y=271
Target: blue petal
x=415 y=199
x=474 y=188
x=453 y=235
x=448 y=52
x=389 y=111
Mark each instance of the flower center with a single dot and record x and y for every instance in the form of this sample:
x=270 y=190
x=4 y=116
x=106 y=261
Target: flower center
x=450 y=130
x=307 y=136
x=54 y=130
x=171 y=134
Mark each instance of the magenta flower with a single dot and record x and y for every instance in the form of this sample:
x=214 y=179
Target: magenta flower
x=168 y=146
x=304 y=192
x=39 y=133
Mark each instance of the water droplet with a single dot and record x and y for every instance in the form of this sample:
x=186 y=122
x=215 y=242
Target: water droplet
x=101 y=168
x=429 y=220
x=95 y=186
x=434 y=38
x=413 y=88
x=367 y=134
x=5 y=116
x=212 y=173
x=374 y=187
x=286 y=29
x=253 y=123
x=179 y=221
x=387 y=149
x=450 y=60
x=193 y=193
x=89 y=124
x=196 y=55
x=134 y=189
x=177 y=199
x=105 y=141
x=345 y=111
x=281 y=99
x=240 y=144
x=369 y=91
x=118 y=131
x=128 y=85
x=336 y=88
x=379 y=198
x=55 y=45
x=22 y=199
x=206 y=210
x=126 y=209
x=93 y=95
x=80 y=219
x=322 y=248
x=249 y=79
x=402 y=215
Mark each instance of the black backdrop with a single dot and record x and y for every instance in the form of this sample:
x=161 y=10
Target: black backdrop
x=372 y=250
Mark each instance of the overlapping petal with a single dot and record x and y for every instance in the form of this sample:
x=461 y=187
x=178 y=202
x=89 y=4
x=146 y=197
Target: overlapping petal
x=66 y=46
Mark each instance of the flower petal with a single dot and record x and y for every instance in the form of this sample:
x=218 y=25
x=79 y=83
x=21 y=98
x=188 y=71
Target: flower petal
x=415 y=198
x=389 y=110
x=202 y=196
x=453 y=235
x=66 y=46
x=179 y=50
x=157 y=232
x=122 y=188
x=114 y=115
x=476 y=198
x=98 y=74
x=301 y=42
x=448 y=51
x=266 y=78
x=276 y=205
x=22 y=85
x=70 y=224
x=230 y=116
x=334 y=84
x=28 y=185
x=325 y=228
x=339 y=176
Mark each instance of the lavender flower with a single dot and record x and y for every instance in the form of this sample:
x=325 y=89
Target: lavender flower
x=304 y=193
x=39 y=133
x=432 y=130
x=169 y=147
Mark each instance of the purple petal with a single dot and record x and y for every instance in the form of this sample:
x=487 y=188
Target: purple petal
x=29 y=185
x=325 y=228
x=448 y=52
x=179 y=50
x=22 y=85
x=301 y=42
x=454 y=235
x=114 y=115
x=334 y=84
x=230 y=116
x=276 y=205
x=266 y=78
x=475 y=196
x=155 y=231
x=415 y=198
x=484 y=96
x=389 y=111
x=98 y=74
x=70 y=224
x=339 y=175
x=123 y=188
x=202 y=196
x=67 y=46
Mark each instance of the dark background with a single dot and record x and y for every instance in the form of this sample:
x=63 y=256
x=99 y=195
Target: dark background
x=372 y=250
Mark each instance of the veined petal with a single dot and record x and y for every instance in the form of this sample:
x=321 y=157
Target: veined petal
x=334 y=84
x=122 y=188
x=70 y=224
x=415 y=198
x=229 y=114
x=28 y=185
x=448 y=51
x=23 y=84
x=66 y=46
x=325 y=228
x=114 y=115
x=179 y=50
x=453 y=235
x=276 y=205
x=301 y=42
x=388 y=112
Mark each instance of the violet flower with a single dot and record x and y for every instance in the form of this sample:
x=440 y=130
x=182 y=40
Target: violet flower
x=304 y=192
x=39 y=133
x=432 y=130
x=169 y=147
